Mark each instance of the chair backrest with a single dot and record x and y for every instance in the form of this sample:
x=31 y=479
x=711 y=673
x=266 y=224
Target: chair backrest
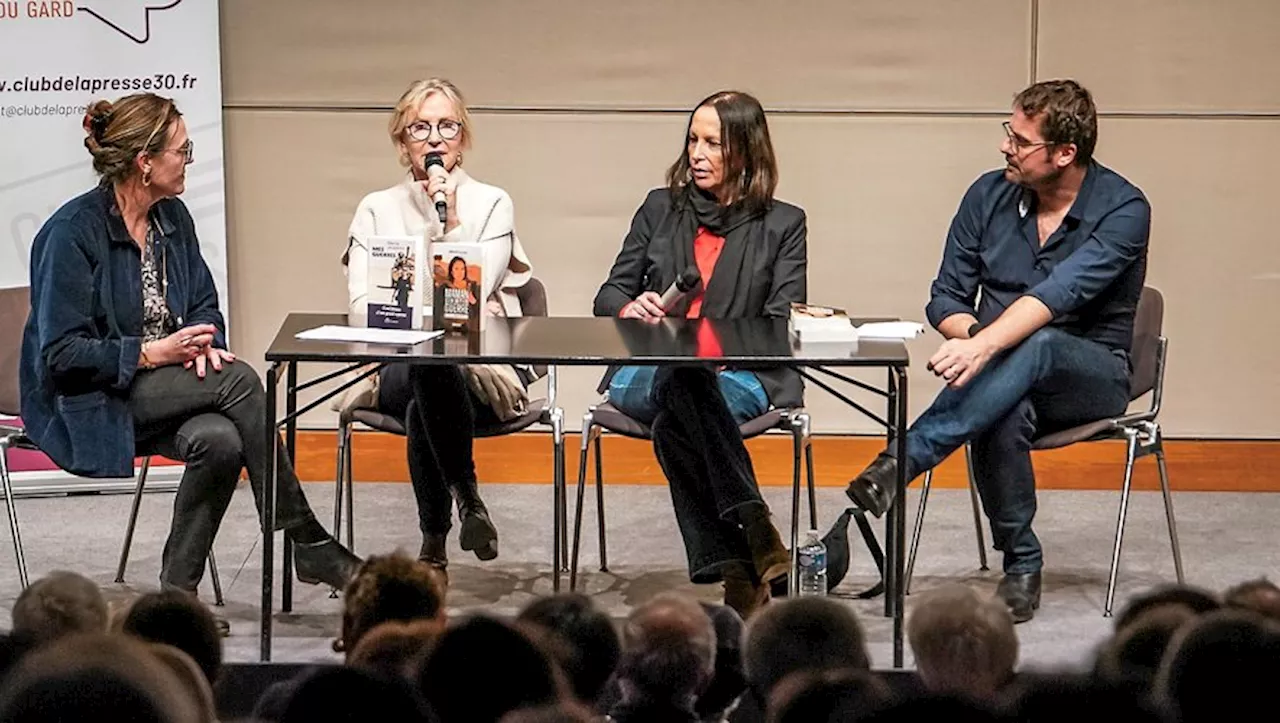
x=15 y=304
x=533 y=297
x=1148 y=328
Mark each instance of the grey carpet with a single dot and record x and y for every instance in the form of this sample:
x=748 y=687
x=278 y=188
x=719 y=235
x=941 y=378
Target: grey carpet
x=1226 y=537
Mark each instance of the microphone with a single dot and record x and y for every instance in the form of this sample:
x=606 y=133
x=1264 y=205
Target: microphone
x=687 y=281
x=434 y=166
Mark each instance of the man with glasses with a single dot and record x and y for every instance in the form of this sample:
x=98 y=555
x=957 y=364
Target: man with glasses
x=1057 y=245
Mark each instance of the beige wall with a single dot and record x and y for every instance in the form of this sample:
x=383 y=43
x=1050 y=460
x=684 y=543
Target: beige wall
x=883 y=112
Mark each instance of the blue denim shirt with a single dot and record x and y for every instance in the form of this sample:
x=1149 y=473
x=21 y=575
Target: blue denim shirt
x=81 y=343
x=1089 y=272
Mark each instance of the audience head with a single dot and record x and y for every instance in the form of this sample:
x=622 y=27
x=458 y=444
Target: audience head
x=1132 y=656
x=827 y=695
x=388 y=588
x=963 y=643
x=668 y=650
x=58 y=604
x=178 y=619
x=93 y=676
x=190 y=677
x=431 y=116
x=1063 y=698
x=340 y=693
x=1060 y=116
x=590 y=647
x=481 y=647
x=728 y=683
x=804 y=633
x=1195 y=599
x=566 y=712
x=727 y=152
x=1260 y=596
x=1221 y=666
x=139 y=138
x=394 y=649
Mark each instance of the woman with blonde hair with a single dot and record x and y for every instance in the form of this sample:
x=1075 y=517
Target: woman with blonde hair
x=442 y=405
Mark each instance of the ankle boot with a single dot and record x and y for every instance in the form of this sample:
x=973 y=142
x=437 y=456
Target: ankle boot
x=325 y=561
x=433 y=553
x=478 y=534
x=743 y=592
x=770 y=556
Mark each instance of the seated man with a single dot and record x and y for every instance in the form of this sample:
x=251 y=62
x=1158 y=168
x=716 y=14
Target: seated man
x=1057 y=243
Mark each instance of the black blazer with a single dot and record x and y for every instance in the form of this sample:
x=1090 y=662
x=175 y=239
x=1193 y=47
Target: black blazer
x=761 y=277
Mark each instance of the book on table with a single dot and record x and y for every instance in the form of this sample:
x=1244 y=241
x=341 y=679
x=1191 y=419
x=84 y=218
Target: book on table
x=457 y=275
x=811 y=323
x=394 y=282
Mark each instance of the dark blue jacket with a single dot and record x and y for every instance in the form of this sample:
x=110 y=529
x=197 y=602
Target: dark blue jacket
x=81 y=343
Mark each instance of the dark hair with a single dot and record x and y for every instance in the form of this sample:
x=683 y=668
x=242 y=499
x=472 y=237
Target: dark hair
x=178 y=619
x=1199 y=601
x=811 y=632
x=59 y=604
x=1067 y=114
x=334 y=693
x=591 y=642
x=523 y=673
x=115 y=133
x=827 y=695
x=750 y=167
x=1132 y=656
x=1259 y=595
x=1070 y=698
x=386 y=588
x=456 y=260
x=1221 y=667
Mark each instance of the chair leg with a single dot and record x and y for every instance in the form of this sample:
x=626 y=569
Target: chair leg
x=13 y=513
x=217 y=581
x=977 y=511
x=813 y=500
x=558 y=479
x=349 y=486
x=919 y=527
x=1168 y=513
x=133 y=519
x=1130 y=455
x=577 y=509
x=604 y=551
x=339 y=478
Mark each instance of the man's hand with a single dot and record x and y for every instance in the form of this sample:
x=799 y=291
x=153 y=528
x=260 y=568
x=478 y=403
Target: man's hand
x=959 y=360
x=210 y=357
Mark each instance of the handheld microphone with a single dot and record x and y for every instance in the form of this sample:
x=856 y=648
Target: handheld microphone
x=687 y=281
x=433 y=164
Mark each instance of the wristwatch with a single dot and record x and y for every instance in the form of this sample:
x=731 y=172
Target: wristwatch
x=977 y=327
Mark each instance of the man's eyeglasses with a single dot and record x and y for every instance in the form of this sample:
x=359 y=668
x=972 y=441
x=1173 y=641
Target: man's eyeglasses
x=421 y=130
x=1019 y=143
x=188 y=151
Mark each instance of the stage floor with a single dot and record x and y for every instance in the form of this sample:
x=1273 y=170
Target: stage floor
x=1226 y=538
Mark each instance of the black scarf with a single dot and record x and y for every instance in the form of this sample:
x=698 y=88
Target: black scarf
x=741 y=227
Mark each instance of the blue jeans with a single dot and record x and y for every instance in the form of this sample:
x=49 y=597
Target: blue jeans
x=1051 y=381
x=631 y=391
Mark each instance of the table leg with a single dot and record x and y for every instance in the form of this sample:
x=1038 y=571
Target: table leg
x=290 y=446
x=898 y=515
x=269 y=514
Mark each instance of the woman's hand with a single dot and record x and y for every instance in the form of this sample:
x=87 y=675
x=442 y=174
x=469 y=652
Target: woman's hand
x=646 y=306
x=180 y=347
x=210 y=357
x=450 y=189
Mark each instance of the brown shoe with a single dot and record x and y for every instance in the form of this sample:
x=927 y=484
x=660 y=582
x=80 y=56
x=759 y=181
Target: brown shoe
x=770 y=556
x=743 y=592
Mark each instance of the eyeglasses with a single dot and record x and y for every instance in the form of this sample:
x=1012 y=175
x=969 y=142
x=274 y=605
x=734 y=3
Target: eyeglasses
x=188 y=150
x=421 y=130
x=1019 y=143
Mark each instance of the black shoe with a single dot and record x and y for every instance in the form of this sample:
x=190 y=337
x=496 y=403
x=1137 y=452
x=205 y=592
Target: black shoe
x=433 y=553
x=478 y=534
x=325 y=561
x=1021 y=592
x=875 y=487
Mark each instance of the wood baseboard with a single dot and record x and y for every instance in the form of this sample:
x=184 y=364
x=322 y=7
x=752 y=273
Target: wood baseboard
x=1194 y=465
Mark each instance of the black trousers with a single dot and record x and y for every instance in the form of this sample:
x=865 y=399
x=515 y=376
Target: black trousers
x=708 y=470
x=440 y=416
x=215 y=425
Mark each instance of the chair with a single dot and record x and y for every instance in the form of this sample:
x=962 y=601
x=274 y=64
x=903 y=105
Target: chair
x=605 y=416
x=1139 y=430
x=15 y=304
x=533 y=302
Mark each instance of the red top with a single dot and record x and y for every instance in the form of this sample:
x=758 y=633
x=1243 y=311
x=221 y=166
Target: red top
x=706 y=251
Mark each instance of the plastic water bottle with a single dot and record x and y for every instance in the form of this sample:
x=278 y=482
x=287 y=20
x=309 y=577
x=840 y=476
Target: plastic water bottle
x=813 y=566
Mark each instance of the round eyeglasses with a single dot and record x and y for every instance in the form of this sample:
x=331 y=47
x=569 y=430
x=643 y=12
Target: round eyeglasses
x=421 y=130
x=188 y=151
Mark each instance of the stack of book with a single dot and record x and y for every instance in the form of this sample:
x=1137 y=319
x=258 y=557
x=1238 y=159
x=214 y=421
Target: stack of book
x=821 y=324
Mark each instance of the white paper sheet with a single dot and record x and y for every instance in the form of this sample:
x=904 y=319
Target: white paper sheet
x=400 y=337
x=890 y=330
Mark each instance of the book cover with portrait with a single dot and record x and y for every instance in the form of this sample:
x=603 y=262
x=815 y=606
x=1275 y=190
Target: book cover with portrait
x=457 y=278
x=394 y=282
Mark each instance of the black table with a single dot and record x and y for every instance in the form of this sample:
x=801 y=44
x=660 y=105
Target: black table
x=590 y=341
